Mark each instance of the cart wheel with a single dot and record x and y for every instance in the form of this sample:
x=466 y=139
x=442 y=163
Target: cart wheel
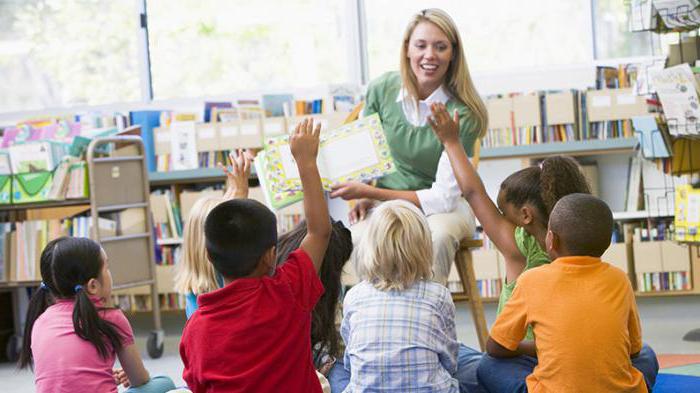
x=12 y=348
x=155 y=348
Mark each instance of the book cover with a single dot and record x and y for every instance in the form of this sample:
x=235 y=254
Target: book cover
x=357 y=151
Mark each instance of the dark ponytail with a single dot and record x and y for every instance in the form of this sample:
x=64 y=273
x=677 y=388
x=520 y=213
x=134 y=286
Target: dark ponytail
x=324 y=335
x=67 y=264
x=41 y=300
x=542 y=186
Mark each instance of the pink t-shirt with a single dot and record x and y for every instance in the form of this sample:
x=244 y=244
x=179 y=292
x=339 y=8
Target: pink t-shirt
x=64 y=362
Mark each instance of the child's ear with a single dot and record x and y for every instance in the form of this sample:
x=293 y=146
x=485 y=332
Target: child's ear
x=527 y=214
x=552 y=242
x=93 y=286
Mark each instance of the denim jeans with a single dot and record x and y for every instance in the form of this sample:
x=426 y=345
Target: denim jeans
x=467 y=363
x=160 y=384
x=508 y=375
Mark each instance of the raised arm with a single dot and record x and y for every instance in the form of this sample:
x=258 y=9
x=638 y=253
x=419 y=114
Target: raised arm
x=237 y=177
x=497 y=227
x=304 y=145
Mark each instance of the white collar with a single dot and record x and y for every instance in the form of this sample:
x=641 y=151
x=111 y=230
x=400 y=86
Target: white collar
x=439 y=95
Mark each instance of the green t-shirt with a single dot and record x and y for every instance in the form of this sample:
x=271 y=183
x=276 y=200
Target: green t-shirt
x=415 y=149
x=535 y=256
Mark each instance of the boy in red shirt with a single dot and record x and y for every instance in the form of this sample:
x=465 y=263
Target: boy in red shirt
x=252 y=335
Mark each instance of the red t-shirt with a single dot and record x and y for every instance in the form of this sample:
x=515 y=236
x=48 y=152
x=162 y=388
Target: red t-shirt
x=254 y=335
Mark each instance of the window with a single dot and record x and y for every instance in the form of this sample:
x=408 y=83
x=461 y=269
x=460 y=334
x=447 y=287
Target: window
x=211 y=48
x=498 y=35
x=66 y=53
x=612 y=34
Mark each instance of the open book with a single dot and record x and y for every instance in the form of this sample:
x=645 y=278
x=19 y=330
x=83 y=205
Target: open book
x=357 y=151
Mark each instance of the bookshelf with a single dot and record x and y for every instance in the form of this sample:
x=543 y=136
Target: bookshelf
x=572 y=148
x=116 y=184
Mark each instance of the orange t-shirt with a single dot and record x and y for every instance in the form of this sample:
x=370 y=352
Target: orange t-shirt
x=586 y=326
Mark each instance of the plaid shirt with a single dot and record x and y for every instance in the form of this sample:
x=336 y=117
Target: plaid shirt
x=400 y=341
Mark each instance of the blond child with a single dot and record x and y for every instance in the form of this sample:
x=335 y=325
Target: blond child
x=195 y=275
x=398 y=325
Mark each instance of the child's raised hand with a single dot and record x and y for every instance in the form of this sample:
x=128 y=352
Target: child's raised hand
x=446 y=128
x=304 y=142
x=237 y=177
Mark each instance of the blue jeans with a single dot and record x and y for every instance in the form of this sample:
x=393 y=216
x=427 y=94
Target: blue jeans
x=468 y=360
x=160 y=384
x=508 y=375
x=467 y=363
x=338 y=377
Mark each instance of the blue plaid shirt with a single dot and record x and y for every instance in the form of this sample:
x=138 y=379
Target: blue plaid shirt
x=400 y=341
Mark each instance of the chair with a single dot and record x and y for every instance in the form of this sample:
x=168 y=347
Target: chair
x=463 y=261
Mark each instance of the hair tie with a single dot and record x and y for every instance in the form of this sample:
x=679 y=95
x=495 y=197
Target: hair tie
x=77 y=288
x=43 y=286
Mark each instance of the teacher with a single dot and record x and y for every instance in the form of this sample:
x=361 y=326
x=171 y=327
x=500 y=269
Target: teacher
x=433 y=69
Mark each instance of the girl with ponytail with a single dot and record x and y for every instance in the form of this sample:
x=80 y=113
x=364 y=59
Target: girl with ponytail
x=518 y=225
x=71 y=339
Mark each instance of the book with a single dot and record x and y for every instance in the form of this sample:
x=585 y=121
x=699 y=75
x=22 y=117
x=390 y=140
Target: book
x=357 y=151
x=677 y=91
x=274 y=104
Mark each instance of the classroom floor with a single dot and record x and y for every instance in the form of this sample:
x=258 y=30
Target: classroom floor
x=664 y=322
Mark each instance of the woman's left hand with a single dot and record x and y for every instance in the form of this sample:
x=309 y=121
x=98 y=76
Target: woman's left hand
x=446 y=128
x=351 y=190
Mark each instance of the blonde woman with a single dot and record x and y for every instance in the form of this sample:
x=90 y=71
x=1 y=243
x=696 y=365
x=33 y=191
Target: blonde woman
x=433 y=70
x=195 y=275
x=398 y=325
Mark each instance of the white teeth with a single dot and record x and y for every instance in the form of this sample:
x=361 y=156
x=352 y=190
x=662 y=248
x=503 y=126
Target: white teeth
x=429 y=67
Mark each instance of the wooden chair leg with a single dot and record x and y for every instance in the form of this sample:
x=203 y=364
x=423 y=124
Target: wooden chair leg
x=465 y=268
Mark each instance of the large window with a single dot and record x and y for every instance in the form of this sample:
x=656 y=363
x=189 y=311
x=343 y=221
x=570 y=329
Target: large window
x=56 y=53
x=498 y=35
x=613 y=36
x=221 y=47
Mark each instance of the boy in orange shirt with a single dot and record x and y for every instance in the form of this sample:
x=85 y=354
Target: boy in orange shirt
x=583 y=312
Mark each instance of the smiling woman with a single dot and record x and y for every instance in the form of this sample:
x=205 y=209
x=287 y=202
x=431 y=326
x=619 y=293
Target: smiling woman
x=433 y=70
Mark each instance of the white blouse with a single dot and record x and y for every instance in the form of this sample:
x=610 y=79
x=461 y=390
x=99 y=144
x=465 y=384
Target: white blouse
x=444 y=194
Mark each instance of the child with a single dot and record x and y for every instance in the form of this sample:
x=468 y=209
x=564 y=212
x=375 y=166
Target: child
x=325 y=340
x=398 y=325
x=253 y=334
x=518 y=225
x=70 y=339
x=582 y=310
x=195 y=275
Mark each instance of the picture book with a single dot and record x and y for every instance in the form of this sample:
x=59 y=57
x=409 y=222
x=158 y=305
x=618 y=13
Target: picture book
x=676 y=88
x=356 y=151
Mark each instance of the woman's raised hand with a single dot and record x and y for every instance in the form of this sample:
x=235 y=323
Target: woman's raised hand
x=446 y=128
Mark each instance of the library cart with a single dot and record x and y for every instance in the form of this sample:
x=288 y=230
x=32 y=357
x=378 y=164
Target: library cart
x=116 y=183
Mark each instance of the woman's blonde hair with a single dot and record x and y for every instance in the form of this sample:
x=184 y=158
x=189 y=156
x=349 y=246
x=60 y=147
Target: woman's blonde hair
x=396 y=250
x=457 y=79
x=195 y=273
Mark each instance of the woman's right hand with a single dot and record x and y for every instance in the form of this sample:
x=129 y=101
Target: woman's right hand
x=359 y=211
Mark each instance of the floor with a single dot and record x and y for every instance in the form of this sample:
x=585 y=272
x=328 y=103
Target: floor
x=664 y=322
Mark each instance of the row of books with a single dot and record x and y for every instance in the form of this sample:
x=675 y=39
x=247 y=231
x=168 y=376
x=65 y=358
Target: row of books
x=142 y=303
x=560 y=116
x=166 y=215
x=22 y=243
x=207 y=159
x=168 y=255
x=664 y=281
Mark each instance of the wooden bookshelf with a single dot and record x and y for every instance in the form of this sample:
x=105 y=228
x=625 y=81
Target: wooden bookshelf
x=45 y=205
